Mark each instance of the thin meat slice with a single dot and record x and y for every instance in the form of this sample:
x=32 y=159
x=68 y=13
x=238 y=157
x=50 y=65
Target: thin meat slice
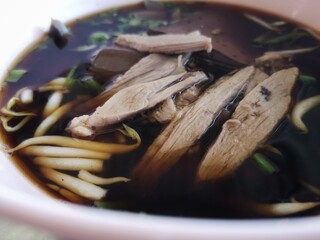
x=148 y=69
x=166 y=43
x=129 y=101
x=140 y=97
x=187 y=128
x=188 y=96
x=257 y=78
x=162 y=113
x=253 y=121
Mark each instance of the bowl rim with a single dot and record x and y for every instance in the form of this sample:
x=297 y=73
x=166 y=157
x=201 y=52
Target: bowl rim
x=122 y=225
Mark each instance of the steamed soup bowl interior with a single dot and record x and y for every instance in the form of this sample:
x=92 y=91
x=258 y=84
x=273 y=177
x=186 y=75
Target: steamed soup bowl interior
x=22 y=23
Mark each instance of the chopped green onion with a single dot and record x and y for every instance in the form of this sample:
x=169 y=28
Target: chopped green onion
x=310 y=187
x=70 y=78
x=265 y=164
x=15 y=75
x=263 y=37
x=307 y=79
x=290 y=37
x=152 y=23
x=268 y=38
x=130 y=132
x=123 y=20
x=99 y=37
x=134 y=22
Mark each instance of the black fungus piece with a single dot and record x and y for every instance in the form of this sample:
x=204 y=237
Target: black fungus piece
x=213 y=63
x=59 y=33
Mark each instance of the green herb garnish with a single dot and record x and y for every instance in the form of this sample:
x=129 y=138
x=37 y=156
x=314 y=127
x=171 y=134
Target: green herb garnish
x=265 y=164
x=15 y=75
x=99 y=37
x=135 y=22
x=307 y=79
x=153 y=24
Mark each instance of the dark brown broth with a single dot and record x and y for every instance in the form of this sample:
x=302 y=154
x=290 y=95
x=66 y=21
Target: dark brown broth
x=177 y=194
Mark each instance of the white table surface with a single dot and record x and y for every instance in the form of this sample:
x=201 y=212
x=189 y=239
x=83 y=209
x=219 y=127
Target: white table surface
x=10 y=230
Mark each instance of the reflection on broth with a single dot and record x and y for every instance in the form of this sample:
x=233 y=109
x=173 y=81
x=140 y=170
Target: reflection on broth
x=171 y=109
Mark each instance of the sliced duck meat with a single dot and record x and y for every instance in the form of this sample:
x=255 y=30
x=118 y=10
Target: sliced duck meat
x=188 y=96
x=257 y=78
x=79 y=127
x=187 y=128
x=148 y=69
x=166 y=43
x=132 y=100
x=166 y=111
x=255 y=118
x=163 y=112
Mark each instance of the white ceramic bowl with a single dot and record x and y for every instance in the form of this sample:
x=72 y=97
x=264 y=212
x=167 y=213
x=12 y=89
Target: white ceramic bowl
x=21 y=22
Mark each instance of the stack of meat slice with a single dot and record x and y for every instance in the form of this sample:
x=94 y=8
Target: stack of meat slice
x=154 y=80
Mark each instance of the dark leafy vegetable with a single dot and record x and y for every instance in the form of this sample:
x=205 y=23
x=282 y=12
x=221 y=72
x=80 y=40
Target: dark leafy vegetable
x=78 y=81
x=265 y=164
x=15 y=75
x=59 y=33
x=213 y=63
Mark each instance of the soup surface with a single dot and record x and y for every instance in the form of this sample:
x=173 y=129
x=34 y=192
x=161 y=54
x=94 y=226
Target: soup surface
x=170 y=137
